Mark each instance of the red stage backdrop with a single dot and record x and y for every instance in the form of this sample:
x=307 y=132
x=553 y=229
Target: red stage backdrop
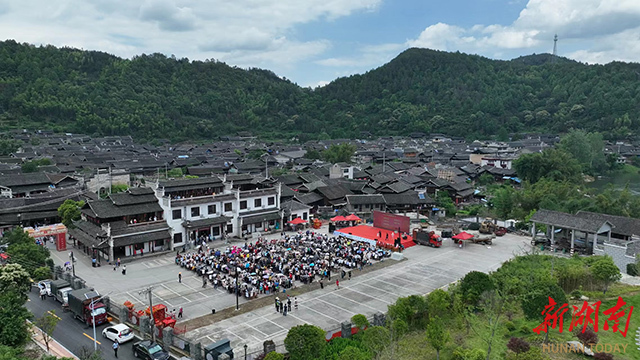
x=391 y=222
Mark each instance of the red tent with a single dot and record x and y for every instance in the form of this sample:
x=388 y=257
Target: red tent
x=339 y=218
x=297 y=221
x=352 y=217
x=462 y=236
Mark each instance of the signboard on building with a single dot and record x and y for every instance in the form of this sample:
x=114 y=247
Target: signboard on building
x=391 y=222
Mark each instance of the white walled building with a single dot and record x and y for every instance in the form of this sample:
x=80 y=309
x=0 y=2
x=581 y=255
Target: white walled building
x=210 y=207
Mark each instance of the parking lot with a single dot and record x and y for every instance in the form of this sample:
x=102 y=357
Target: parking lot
x=424 y=270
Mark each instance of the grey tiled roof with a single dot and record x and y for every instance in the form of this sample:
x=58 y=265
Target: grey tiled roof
x=621 y=224
x=365 y=199
x=567 y=221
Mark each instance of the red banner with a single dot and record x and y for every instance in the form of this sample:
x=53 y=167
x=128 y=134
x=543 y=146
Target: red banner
x=391 y=222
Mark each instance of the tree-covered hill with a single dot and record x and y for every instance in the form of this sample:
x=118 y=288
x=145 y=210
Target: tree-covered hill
x=153 y=96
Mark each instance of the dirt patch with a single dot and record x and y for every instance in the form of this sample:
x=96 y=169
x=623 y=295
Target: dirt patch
x=267 y=300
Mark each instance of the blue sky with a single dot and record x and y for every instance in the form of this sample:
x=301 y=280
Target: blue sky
x=312 y=42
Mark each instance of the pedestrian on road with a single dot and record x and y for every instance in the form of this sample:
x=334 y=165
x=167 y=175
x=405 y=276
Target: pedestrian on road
x=343 y=274
x=321 y=284
x=118 y=262
x=284 y=312
x=43 y=293
x=338 y=283
x=204 y=282
x=349 y=274
x=295 y=303
x=180 y=277
x=180 y=313
x=115 y=348
x=289 y=304
x=124 y=269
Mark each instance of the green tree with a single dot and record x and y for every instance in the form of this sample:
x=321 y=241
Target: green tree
x=13 y=277
x=473 y=285
x=605 y=270
x=359 y=321
x=502 y=134
x=41 y=273
x=587 y=149
x=69 y=212
x=9 y=146
x=486 y=179
x=312 y=154
x=504 y=202
x=13 y=317
x=274 y=356
x=376 y=338
x=24 y=251
x=443 y=200
x=305 y=342
x=47 y=324
x=175 y=173
x=353 y=353
x=339 y=153
x=29 y=167
x=486 y=327
x=437 y=335
x=399 y=328
x=438 y=303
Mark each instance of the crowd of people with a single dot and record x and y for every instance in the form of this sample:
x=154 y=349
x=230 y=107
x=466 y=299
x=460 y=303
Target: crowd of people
x=269 y=266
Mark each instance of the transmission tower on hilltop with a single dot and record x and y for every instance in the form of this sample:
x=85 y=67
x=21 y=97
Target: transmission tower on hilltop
x=554 y=58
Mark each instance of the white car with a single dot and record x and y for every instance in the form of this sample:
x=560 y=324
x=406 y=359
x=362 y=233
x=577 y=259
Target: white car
x=45 y=284
x=118 y=333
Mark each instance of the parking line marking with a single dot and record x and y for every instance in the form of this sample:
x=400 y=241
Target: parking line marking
x=54 y=315
x=92 y=339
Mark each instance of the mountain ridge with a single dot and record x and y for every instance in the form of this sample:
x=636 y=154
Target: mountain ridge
x=154 y=96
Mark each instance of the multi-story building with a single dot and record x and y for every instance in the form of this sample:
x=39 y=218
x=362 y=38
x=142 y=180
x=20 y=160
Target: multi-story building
x=211 y=207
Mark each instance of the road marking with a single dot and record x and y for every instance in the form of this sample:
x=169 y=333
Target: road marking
x=54 y=315
x=92 y=339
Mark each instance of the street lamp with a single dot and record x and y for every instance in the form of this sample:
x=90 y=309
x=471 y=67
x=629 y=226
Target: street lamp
x=93 y=319
x=245 y=351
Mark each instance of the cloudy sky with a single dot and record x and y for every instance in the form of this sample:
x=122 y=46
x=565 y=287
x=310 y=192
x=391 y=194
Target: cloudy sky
x=312 y=42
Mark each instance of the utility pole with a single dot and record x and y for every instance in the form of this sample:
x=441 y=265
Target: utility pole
x=237 y=289
x=110 y=180
x=73 y=263
x=149 y=291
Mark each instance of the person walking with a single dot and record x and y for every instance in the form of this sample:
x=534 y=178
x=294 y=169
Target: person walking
x=321 y=284
x=338 y=283
x=115 y=348
x=204 y=282
x=349 y=274
x=343 y=273
x=295 y=303
x=180 y=277
x=276 y=304
x=289 y=303
x=284 y=312
x=124 y=269
x=118 y=263
x=180 y=313
x=43 y=293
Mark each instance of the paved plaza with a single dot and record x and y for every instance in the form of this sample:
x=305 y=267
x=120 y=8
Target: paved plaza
x=424 y=270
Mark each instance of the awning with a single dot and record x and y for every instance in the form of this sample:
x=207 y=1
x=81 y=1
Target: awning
x=254 y=219
x=195 y=224
x=354 y=237
x=87 y=239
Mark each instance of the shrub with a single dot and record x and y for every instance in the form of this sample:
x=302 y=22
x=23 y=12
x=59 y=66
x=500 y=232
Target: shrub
x=632 y=269
x=274 y=356
x=360 y=321
x=586 y=336
x=533 y=354
x=375 y=339
x=518 y=345
x=524 y=329
x=602 y=356
x=538 y=297
x=468 y=354
x=510 y=325
x=576 y=294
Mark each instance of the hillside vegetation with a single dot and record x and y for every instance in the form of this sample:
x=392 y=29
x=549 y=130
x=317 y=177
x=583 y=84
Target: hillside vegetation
x=154 y=96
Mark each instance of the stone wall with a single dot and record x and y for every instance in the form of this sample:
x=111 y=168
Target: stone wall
x=617 y=252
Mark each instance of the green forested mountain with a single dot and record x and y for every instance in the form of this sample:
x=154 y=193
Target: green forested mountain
x=152 y=96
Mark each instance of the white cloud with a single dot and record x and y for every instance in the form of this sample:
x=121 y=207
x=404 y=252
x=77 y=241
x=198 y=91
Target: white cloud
x=240 y=32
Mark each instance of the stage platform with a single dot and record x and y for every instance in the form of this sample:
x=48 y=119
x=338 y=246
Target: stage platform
x=370 y=234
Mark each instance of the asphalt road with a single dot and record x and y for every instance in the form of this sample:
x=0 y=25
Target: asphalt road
x=73 y=334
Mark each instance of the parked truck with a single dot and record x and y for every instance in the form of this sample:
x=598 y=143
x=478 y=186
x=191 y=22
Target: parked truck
x=81 y=307
x=59 y=290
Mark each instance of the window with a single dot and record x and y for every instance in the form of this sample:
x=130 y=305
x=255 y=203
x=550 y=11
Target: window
x=271 y=201
x=230 y=229
x=304 y=216
x=176 y=214
x=211 y=209
x=177 y=238
x=228 y=207
x=243 y=204
x=257 y=202
x=195 y=211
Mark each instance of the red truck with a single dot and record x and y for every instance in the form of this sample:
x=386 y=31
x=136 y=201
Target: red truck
x=81 y=307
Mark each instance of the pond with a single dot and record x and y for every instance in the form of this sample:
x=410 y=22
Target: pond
x=619 y=181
